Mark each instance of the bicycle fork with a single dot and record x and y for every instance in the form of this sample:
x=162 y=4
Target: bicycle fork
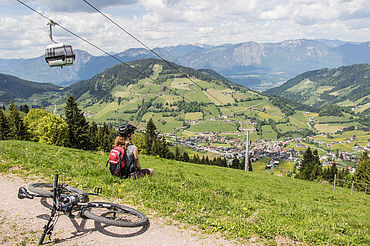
x=48 y=228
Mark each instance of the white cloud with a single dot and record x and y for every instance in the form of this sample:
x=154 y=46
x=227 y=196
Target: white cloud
x=173 y=22
x=80 y=6
x=279 y=12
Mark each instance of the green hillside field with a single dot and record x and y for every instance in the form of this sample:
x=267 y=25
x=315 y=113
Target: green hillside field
x=344 y=86
x=174 y=102
x=240 y=205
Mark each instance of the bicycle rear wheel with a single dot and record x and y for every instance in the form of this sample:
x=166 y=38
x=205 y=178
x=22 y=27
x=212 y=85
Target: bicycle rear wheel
x=46 y=189
x=115 y=214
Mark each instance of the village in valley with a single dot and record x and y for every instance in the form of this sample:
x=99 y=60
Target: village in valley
x=290 y=149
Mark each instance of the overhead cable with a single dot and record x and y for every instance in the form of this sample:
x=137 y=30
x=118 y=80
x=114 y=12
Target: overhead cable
x=155 y=53
x=107 y=53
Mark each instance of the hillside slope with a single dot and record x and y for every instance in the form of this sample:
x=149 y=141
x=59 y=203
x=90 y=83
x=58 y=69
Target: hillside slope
x=121 y=75
x=345 y=86
x=251 y=207
x=200 y=102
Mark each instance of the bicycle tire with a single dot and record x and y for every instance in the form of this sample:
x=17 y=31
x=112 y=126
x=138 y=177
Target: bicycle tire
x=99 y=211
x=46 y=189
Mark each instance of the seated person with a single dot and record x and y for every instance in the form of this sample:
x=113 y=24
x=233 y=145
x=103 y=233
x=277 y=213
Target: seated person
x=126 y=132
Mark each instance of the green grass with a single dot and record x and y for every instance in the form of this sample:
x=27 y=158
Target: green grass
x=299 y=119
x=216 y=126
x=260 y=165
x=329 y=128
x=219 y=97
x=197 y=96
x=238 y=204
x=268 y=132
x=193 y=116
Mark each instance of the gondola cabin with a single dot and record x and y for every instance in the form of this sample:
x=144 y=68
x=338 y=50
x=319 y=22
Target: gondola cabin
x=59 y=55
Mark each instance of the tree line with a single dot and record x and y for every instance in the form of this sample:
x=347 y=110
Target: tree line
x=311 y=169
x=38 y=125
x=73 y=130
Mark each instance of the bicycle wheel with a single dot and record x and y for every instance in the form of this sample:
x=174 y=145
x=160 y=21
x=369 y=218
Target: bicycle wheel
x=46 y=189
x=114 y=214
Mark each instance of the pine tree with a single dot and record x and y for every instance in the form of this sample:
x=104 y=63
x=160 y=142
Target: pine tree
x=235 y=163
x=316 y=173
x=308 y=165
x=224 y=162
x=185 y=157
x=195 y=159
x=93 y=135
x=332 y=172
x=150 y=136
x=250 y=168
x=242 y=163
x=18 y=130
x=164 y=151
x=177 y=154
x=4 y=126
x=316 y=157
x=77 y=125
x=362 y=174
x=24 y=108
x=307 y=159
x=156 y=148
x=105 y=138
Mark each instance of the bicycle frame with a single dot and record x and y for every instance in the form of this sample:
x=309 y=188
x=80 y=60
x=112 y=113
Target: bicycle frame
x=66 y=198
x=60 y=204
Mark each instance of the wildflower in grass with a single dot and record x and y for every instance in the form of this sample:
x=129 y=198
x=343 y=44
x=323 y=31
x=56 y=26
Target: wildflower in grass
x=119 y=190
x=245 y=209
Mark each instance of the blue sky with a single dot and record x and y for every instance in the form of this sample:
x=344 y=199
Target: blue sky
x=159 y=23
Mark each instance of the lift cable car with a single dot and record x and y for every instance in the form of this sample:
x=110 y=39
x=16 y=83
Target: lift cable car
x=58 y=54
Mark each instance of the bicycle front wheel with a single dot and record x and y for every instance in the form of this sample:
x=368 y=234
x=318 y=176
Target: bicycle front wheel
x=115 y=214
x=46 y=189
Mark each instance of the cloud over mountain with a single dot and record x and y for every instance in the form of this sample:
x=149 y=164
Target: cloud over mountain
x=173 y=22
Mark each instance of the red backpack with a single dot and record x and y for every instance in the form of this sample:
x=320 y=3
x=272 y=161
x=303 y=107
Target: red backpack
x=117 y=162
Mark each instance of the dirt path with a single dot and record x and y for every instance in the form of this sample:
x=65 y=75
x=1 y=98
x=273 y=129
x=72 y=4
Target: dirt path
x=21 y=223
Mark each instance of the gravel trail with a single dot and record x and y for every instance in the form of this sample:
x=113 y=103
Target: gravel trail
x=21 y=223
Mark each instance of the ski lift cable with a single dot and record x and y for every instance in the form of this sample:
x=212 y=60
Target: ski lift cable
x=95 y=46
x=155 y=53
x=102 y=50
x=83 y=39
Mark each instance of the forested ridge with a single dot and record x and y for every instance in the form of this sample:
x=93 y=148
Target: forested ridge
x=130 y=73
x=12 y=87
x=328 y=85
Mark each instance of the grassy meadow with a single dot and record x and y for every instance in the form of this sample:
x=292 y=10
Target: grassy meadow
x=240 y=205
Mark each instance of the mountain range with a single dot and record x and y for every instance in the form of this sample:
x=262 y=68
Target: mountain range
x=259 y=66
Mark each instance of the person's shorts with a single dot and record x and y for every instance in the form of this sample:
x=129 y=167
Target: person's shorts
x=140 y=173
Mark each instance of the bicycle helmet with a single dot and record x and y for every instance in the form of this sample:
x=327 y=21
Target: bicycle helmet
x=125 y=129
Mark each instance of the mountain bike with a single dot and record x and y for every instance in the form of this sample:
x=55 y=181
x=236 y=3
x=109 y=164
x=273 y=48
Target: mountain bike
x=69 y=201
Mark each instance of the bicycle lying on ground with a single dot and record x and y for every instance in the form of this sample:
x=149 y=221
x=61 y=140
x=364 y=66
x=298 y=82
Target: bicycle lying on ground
x=68 y=199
